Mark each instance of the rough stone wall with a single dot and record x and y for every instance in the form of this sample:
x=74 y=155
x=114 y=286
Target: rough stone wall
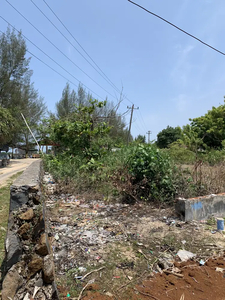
x=28 y=267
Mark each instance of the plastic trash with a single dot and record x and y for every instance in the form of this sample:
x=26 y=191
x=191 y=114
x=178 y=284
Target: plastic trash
x=56 y=237
x=202 y=262
x=185 y=255
x=220 y=224
x=82 y=269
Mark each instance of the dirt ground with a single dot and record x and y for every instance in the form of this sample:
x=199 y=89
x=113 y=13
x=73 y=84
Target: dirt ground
x=118 y=251
x=15 y=166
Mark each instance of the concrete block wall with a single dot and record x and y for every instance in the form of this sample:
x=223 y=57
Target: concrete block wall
x=201 y=208
x=28 y=269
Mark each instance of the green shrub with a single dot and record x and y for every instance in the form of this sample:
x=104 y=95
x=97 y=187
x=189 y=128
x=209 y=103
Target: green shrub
x=151 y=173
x=181 y=155
x=214 y=157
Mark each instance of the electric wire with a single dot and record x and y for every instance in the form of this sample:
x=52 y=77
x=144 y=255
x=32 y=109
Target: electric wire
x=194 y=37
x=58 y=48
x=60 y=52
x=65 y=54
x=50 y=57
x=48 y=65
x=142 y=121
x=106 y=77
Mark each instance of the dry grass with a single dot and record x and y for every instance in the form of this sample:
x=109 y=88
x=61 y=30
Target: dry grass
x=200 y=179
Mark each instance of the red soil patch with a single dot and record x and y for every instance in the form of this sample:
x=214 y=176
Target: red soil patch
x=197 y=282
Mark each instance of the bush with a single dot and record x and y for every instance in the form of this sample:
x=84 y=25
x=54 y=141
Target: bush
x=181 y=155
x=151 y=173
x=214 y=157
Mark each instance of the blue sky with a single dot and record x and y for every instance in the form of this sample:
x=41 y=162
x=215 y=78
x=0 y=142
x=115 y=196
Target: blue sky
x=167 y=74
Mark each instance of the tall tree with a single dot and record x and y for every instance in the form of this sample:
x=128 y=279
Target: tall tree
x=140 y=139
x=66 y=105
x=7 y=125
x=17 y=93
x=210 y=128
x=167 y=136
x=13 y=68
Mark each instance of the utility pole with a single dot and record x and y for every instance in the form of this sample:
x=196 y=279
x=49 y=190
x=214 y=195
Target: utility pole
x=131 y=116
x=148 y=133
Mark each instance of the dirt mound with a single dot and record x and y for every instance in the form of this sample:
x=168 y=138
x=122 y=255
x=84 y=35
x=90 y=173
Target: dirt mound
x=190 y=281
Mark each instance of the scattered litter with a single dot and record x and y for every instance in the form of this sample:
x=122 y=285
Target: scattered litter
x=36 y=289
x=213 y=231
x=56 y=237
x=183 y=242
x=185 y=255
x=82 y=269
x=109 y=294
x=202 y=262
x=219 y=269
x=27 y=297
x=68 y=295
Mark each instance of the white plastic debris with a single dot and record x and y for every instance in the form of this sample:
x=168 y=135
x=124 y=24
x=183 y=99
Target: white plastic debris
x=185 y=255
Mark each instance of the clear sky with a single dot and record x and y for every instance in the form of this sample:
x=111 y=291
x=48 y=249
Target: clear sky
x=167 y=74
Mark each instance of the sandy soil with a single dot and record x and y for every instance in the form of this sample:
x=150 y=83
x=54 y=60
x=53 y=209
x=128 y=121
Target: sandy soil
x=15 y=166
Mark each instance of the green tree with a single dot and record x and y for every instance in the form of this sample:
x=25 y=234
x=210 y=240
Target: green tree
x=13 y=69
x=79 y=135
x=140 y=139
x=7 y=126
x=17 y=93
x=66 y=106
x=167 y=136
x=210 y=128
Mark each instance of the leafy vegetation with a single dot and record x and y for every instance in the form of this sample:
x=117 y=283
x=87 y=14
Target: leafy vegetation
x=17 y=93
x=168 y=136
x=85 y=160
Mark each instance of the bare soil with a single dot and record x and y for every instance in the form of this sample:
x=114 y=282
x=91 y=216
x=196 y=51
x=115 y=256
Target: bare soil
x=119 y=251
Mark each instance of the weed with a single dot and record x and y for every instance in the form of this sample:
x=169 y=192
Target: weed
x=4 y=210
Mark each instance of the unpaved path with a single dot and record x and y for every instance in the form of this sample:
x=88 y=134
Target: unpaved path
x=15 y=166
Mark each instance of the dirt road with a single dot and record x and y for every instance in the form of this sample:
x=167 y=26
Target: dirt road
x=15 y=166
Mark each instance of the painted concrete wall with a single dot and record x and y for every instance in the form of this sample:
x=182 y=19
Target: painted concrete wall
x=201 y=208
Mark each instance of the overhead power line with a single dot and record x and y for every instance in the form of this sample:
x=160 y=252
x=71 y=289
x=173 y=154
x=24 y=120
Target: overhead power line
x=106 y=77
x=51 y=59
x=48 y=66
x=58 y=48
x=194 y=37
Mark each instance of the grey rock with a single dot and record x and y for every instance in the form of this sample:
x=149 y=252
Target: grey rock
x=13 y=249
x=18 y=198
x=48 y=269
x=11 y=284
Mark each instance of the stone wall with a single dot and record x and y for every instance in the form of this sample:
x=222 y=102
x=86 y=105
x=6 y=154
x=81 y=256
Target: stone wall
x=28 y=267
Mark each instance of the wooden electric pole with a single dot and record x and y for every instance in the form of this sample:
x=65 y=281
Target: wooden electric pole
x=148 y=133
x=131 y=116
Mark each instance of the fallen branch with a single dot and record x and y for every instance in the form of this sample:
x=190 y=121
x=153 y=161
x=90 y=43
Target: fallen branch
x=140 y=251
x=172 y=273
x=82 y=291
x=86 y=275
x=145 y=294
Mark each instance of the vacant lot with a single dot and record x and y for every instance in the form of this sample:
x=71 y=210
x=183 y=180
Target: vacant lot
x=121 y=251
